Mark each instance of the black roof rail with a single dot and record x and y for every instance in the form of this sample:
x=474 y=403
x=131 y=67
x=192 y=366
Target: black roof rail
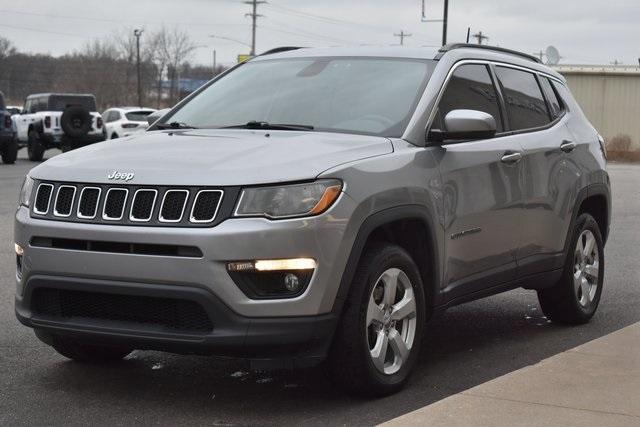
x=453 y=46
x=280 y=49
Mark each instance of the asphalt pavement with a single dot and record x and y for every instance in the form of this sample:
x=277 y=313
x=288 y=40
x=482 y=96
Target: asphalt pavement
x=466 y=346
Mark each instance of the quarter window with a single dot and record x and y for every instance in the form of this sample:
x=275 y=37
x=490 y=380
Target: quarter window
x=554 y=101
x=526 y=107
x=470 y=88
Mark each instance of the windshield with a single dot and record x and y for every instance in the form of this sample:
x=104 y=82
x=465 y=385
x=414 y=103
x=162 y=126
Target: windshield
x=138 y=116
x=374 y=96
x=60 y=103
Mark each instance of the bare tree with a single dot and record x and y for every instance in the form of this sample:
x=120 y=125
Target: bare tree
x=6 y=48
x=177 y=47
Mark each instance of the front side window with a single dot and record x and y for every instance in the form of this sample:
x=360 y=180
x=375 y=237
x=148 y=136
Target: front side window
x=374 y=96
x=470 y=88
x=526 y=107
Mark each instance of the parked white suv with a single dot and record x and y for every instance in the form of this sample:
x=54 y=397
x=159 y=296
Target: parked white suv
x=64 y=121
x=125 y=121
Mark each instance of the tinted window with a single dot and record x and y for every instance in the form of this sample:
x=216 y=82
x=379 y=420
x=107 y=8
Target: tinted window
x=357 y=95
x=470 y=88
x=526 y=107
x=138 y=116
x=554 y=102
x=61 y=102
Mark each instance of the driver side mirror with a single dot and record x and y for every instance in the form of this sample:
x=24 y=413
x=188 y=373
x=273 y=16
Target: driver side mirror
x=465 y=125
x=157 y=115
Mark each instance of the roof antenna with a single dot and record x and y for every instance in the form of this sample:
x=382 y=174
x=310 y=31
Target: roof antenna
x=469 y=34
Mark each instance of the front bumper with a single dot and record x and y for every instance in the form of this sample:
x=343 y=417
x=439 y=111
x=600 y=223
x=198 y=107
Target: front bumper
x=300 y=341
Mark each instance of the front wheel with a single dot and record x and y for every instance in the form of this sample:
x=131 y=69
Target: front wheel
x=35 y=148
x=378 y=339
x=10 y=152
x=575 y=298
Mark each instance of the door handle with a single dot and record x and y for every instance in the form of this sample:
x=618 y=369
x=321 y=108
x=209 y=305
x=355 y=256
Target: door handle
x=511 y=158
x=567 y=146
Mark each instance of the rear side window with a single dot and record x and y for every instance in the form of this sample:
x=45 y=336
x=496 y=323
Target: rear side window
x=554 y=102
x=526 y=107
x=470 y=88
x=138 y=116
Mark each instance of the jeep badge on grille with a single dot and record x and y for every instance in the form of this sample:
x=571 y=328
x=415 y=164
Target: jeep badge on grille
x=120 y=176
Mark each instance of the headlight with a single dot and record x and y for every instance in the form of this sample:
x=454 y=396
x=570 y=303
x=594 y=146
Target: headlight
x=25 y=192
x=289 y=201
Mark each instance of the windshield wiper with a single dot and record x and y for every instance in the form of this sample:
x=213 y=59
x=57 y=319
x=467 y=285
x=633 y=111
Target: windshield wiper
x=174 y=125
x=269 y=126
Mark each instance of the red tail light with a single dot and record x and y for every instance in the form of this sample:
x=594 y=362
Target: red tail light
x=99 y=122
x=47 y=121
x=7 y=122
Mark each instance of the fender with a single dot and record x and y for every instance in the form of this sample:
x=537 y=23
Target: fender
x=598 y=189
x=371 y=223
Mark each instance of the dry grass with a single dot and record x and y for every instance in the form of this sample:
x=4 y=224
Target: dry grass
x=620 y=148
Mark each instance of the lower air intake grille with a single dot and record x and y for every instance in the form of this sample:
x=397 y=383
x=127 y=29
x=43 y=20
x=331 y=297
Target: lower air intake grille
x=173 y=314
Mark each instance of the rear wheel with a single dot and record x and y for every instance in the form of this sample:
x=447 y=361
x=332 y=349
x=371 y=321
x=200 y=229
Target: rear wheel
x=78 y=351
x=10 y=152
x=575 y=298
x=35 y=148
x=377 y=342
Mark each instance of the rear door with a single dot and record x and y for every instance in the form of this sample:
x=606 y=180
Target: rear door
x=482 y=190
x=537 y=116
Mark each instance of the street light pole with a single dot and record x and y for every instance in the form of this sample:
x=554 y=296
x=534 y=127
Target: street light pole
x=138 y=33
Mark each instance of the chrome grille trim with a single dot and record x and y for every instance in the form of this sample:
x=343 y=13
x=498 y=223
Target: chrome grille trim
x=195 y=203
x=95 y=211
x=35 y=209
x=133 y=202
x=55 y=205
x=184 y=205
x=106 y=200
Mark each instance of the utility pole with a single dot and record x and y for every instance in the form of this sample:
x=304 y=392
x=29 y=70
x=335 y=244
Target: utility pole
x=214 y=62
x=254 y=18
x=402 y=35
x=480 y=37
x=539 y=54
x=137 y=34
x=444 y=20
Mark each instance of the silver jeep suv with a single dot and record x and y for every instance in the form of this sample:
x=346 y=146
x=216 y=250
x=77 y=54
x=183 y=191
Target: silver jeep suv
x=314 y=204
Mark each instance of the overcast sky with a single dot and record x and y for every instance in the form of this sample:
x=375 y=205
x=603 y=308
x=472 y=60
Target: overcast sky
x=584 y=31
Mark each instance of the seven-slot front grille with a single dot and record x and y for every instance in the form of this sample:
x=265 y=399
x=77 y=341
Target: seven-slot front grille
x=130 y=205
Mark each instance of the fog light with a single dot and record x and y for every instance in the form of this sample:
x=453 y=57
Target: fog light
x=273 y=265
x=291 y=282
x=18 y=249
x=272 y=279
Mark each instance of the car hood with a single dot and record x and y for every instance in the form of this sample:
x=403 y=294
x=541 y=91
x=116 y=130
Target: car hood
x=212 y=157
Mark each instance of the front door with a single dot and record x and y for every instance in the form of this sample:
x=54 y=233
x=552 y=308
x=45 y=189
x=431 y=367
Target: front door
x=482 y=191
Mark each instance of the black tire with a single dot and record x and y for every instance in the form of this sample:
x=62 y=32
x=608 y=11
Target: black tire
x=350 y=361
x=562 y=302
x=35 y=149
x=114 y=136
x=10 y=152
x=88 y=353
x=76 y=121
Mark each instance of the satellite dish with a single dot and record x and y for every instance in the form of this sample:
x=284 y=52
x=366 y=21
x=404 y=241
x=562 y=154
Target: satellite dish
x=553 y=56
